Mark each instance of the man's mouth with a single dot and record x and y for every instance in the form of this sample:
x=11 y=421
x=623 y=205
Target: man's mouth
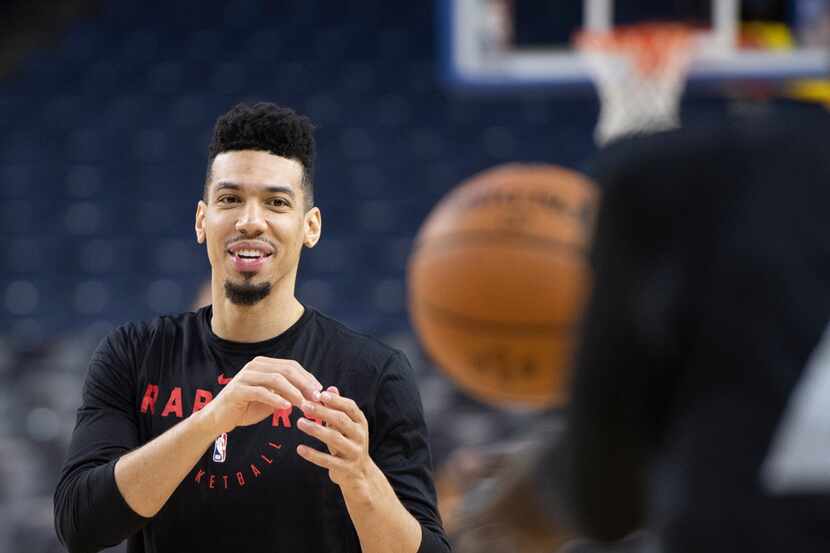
x=250 y=256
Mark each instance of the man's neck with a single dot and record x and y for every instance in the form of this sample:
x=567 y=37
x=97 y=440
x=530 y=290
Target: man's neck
x=266 y=319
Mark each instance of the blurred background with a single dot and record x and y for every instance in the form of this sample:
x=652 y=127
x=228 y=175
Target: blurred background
x=106 y=108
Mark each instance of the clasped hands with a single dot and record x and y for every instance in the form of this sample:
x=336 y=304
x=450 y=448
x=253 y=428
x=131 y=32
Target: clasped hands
x=266 y=384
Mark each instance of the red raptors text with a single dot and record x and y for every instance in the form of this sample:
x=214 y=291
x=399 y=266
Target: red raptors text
x=174 y=405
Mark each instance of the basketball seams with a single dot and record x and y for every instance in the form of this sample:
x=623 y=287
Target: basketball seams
x=436 y=243
x=484 y=326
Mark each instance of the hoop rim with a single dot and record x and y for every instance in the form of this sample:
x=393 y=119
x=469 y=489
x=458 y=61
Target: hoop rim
x=653 y=46
x=652 y=34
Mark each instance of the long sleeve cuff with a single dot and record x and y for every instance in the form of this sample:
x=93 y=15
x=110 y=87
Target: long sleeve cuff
x=431 y=542
x=113 y=507
x=98 y=516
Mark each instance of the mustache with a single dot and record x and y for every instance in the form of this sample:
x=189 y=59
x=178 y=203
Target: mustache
x=231 y=241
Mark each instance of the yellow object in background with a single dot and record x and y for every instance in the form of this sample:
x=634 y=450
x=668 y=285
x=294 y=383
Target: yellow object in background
x=778 y=36
x=812 y=90
x=766 y=35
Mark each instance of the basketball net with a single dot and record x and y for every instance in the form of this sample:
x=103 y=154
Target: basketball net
x=640 y=73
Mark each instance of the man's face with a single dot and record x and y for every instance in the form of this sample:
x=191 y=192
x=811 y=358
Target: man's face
x=254 y=223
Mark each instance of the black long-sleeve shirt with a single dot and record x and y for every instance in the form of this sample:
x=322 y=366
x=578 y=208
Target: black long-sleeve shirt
x=255 y=493
x=712 y=294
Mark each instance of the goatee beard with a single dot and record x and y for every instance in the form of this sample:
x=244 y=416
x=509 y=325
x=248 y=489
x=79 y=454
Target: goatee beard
x=246 y=293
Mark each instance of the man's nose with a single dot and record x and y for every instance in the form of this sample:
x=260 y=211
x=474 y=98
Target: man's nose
x=251 y=222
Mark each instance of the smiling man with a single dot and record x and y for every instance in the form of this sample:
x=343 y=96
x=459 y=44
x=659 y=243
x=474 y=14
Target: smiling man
x=255 y=423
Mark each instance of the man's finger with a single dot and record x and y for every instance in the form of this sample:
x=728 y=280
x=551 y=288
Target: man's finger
x=334 y=418
x=319 y=458
x=276 y=382
x=263 y=395
x=332 y=438
x=344 y=404
x=306 y=382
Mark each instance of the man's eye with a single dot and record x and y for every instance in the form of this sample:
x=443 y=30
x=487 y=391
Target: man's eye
x=227 y=200
x=278 y=202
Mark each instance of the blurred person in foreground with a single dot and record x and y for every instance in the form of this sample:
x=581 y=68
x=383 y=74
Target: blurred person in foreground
x=699 y=400
x=255 y=423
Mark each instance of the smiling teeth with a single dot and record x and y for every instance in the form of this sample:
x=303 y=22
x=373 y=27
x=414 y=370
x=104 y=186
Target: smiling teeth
x=249 y=253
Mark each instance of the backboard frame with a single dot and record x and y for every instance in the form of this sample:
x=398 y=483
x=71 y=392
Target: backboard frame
x=473 y=61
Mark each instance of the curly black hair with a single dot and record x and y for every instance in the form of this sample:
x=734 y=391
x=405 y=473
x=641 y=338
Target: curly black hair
x=270 y=128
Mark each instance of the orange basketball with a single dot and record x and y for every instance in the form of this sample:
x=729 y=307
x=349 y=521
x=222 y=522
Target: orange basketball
x=498 y=278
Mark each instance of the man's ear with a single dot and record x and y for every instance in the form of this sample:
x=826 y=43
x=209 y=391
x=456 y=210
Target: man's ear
x=201 y=207
x=313 y=226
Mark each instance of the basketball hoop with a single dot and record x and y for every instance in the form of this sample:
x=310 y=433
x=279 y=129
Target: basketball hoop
x=640 y=72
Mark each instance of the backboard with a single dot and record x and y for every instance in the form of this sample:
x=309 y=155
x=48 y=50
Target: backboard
x=491 y=45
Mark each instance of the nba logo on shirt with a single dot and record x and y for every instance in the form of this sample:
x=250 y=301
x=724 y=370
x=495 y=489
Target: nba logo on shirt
x=220 y=448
